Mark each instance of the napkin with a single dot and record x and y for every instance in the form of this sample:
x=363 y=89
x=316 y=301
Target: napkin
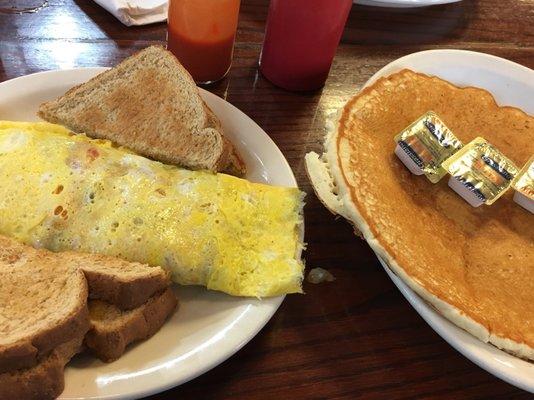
x=136 y=12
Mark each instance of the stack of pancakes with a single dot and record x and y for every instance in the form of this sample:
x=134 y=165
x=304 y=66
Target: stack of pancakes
x=474 y=265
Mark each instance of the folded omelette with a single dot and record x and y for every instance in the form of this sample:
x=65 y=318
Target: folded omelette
x=63 y=191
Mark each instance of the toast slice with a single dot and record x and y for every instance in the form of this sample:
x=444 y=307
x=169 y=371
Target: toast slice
x=43 y=304
x=43 y=297
x=44 y=315
x=43 y=381
x=112 y=329
x=124 y=284
x=150 y=104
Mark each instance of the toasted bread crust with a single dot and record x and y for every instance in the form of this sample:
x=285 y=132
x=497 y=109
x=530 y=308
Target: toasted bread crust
x=32 y=367
x=27 y=352
x=43 y=381
x=108 y=339
x=93 y=276
x=68 y=325
x=126 y=295
x=164 y=118
x=126 y=292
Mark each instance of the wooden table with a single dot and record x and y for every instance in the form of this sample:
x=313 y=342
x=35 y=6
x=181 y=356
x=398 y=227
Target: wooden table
x=356 y=337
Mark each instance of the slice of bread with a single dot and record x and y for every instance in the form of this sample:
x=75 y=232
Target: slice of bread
x=44 y=315
x=43 y=304
x=150 y=104
x=122 y=283
x=43 y=381
x=112 y=329
x=43 y=297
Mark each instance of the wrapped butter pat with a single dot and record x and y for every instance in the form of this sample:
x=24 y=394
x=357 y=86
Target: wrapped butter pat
x=425 y=144
x=523 y=185
x=480 y=173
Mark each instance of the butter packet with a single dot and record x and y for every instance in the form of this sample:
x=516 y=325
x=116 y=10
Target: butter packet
x=523 y=185
x=425 y=144
x=480 y=173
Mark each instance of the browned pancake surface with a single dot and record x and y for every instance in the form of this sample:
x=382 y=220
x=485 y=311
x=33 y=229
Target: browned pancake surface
x=480 y=260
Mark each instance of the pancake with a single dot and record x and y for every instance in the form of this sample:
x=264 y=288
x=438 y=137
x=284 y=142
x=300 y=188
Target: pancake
x=474 y=265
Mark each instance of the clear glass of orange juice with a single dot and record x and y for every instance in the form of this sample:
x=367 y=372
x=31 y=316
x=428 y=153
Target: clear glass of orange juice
x=201 y=35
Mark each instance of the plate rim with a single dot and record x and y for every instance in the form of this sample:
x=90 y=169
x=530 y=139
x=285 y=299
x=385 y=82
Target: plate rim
x=162 y=385
x=469 y=53
x=447 y=330
x=403 y=3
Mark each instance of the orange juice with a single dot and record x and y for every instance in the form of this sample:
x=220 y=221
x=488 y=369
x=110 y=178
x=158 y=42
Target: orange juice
x=201 y=35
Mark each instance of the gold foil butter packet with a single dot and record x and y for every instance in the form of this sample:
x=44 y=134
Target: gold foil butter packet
x=425 y=144
x=480 y=173
x=523 y=185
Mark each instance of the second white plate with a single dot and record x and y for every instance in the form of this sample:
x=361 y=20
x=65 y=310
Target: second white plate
x=513 y=85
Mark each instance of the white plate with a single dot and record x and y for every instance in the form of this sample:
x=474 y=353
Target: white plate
x=511 y=84
x=403 y=3
x=208 y=327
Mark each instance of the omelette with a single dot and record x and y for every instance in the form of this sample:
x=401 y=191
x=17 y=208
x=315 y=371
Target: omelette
x=474 y=265
x=63 y=191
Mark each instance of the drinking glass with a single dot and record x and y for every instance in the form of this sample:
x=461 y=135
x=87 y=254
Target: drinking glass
x=201 y=35
x=300 y=42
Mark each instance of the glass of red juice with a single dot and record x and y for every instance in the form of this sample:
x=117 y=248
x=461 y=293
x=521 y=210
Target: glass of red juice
x=201 y=33
x=300 y=42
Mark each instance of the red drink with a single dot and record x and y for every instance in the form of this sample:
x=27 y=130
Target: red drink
x=201 y=35
x=301 y=38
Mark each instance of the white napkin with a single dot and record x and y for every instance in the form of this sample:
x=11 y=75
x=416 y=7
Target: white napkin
x=136 y=12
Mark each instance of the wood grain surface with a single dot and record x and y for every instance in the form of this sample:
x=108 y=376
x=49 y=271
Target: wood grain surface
x=357 y=337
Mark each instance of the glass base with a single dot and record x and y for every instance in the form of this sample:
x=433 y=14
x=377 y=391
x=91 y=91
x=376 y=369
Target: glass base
x=292 y=85
x=210 y=82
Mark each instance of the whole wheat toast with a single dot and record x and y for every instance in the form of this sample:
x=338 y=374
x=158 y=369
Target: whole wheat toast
x=43 y=303
x=112 y=329
x=122 y=283
x=43 y=381
x=54 y=287
x=150 y=104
